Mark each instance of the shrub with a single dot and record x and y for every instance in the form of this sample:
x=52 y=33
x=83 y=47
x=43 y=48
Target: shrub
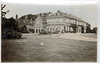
x=44 y=31
x=55 y=32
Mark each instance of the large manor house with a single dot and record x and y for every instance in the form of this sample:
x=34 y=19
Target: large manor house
x=59 y=21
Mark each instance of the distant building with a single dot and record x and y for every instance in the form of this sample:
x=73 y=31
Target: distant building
x=60 y=21
x=26 y=25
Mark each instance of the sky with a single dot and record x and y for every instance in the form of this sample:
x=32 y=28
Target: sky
x=86 y=10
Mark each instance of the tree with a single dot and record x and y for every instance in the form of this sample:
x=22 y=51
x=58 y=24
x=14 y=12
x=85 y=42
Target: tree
x=94 y=30
x=29 y=17
x=88 y=28
x=3 y=13
x=9 y=25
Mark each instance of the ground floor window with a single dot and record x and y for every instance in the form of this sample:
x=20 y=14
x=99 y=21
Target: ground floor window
x=38 y=30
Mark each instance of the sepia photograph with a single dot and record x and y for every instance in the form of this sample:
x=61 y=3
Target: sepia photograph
x=63 y=31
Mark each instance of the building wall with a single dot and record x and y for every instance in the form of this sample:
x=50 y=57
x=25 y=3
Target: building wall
x=38 y=24
x=57 y=27
x=55 y=24
x=61 y=23
x=64 y=25
x=55 y=21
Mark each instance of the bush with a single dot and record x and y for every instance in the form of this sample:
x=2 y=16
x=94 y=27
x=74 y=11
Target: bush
x=31 y=30
x=55 y=32
x=45 y=31
x=94 y=30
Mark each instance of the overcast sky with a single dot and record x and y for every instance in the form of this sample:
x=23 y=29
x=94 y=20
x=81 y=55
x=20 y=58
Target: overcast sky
x=88 y=12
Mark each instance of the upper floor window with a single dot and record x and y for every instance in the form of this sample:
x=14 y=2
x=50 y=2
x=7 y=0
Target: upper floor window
x=56 y=20
x=80 y=23
x=27 y=26
x=52 y=20
x=61 y=20
x=37 y=22
x=84 y=24
x=67 y=20
x=58 y=13
x=48 y=20
x=77 y=22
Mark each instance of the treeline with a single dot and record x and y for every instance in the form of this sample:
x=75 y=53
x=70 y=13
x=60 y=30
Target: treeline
x=94 y=30
x=29 y=17
x=9 y=26
x=10 y=23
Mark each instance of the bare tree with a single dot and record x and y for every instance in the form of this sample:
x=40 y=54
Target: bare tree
x=3 y=13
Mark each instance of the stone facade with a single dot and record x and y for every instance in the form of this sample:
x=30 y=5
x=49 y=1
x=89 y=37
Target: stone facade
x=38 y=26
x=62 y=22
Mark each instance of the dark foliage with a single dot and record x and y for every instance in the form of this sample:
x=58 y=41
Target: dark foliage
x=10 y=28
x=29 y=17
x=44 y=31
x=94 y=30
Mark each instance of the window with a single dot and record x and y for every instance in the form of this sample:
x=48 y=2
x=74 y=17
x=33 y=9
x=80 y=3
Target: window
x=27 y=26
x=84 y=24
x=52 y=20
x=31 y=22
x=67 y=20
x=80 y=23
x=48 y=20
x=56 y=20
x=71 y=21
x=62 y=27
x=61 y=20
x=47 y=27
x=77 y=22
x=58 y=13
x=37 y=22
x=74 y=21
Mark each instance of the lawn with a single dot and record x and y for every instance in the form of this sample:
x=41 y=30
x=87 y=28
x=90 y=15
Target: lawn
x=54 y=49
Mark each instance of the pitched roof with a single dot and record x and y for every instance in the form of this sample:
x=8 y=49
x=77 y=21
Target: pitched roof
x=55 y=16
x=26 y=22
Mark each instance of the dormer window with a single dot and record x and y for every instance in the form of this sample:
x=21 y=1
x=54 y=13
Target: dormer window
x=58 y=13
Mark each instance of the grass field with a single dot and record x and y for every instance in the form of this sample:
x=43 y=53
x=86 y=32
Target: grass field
x=54 y=49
